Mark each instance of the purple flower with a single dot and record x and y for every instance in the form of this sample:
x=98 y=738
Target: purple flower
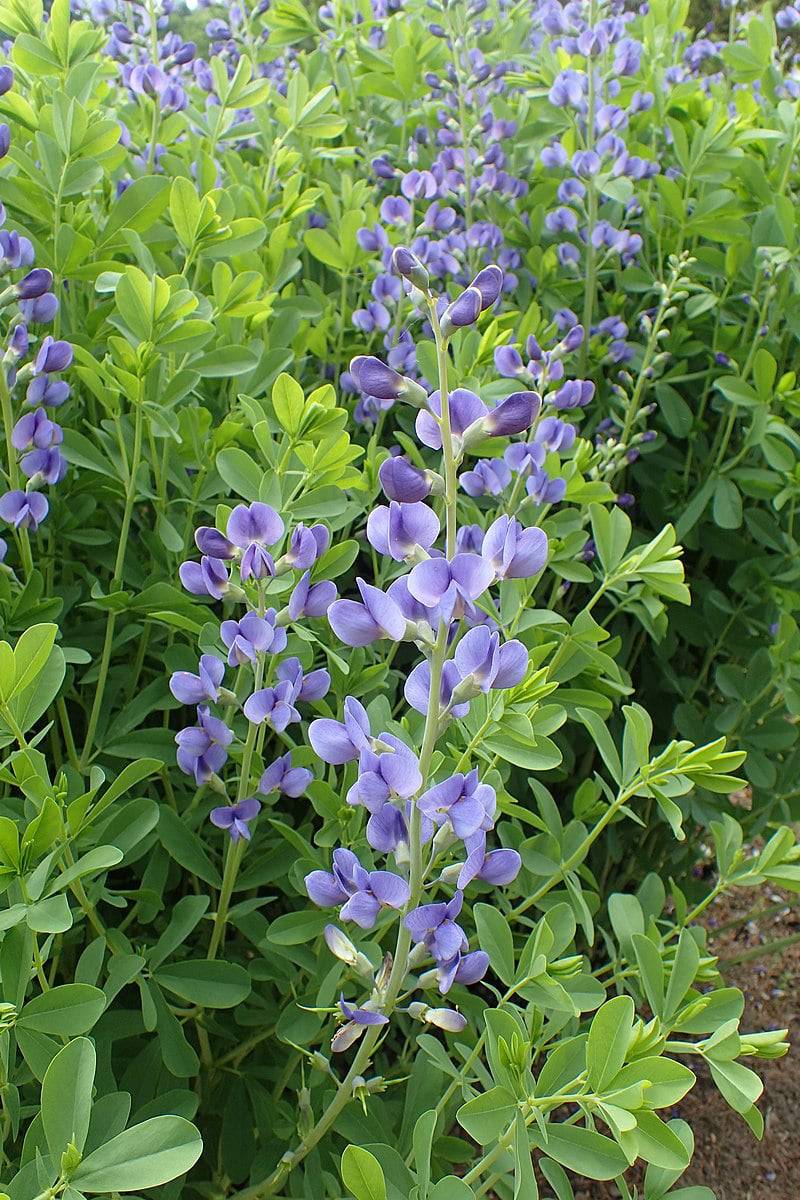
x=338 y=742
x=52 y=356
x=34 y=284
x=251 y=636
x=44 y=466
x=524 y=456
x=484 y=663
x=236 y=818
x=374 y=378
x=358 y=1019
x=553 y=434
x=252 y=528
x=305 y=546
x=360 y=624
x=386 y=773
x=194 y=689
x=313 y=686
x=465 y=409
x=449 y=585
x=402 y=529
x=275 y=705
x=513 y=415
x=213 y=543
x=209 y=577
x=462 y=968
x=417 y=689
x=24 y=510
x=463 y=311
x=508 y=361
x=435 y=926
x=40 y=311
x=36 y=430
x=281 y=776
x=375 y=316
x=513 y=551
x=6 y=80
x=488 y=477
x=575 y=393
x=544 y=490
x=311 y=600
x=361 y=893
x=498 y=867
x=489 y=282
x=402 y=481
x=202 y=747
x=407 y=265
x=395 y=210
x=463 y=801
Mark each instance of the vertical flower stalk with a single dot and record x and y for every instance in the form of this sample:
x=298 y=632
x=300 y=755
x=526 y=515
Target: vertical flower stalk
x=411 y=815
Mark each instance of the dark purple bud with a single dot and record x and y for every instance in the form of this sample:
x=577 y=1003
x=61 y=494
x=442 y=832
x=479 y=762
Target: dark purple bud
x=513 y=415
x=5 y=140
x=6 y=80
x=464 y=311
x=402 y=481
x=406 y=263
x=489 y=283
x=374 y=378
x=34 y=284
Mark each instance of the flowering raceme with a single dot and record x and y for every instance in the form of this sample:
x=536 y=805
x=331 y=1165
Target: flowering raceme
x=434 y=828
x=239 y=567
x=33 y=439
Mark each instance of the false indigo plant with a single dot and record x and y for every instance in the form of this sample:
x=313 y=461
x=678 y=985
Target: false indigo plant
x=365 y=790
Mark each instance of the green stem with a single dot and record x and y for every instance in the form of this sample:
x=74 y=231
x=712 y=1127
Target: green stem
x=116 y=582
x=235 y=853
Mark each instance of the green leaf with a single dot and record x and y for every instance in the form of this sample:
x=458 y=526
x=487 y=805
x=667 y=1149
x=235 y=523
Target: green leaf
x=727 y=505
x=496 y=939
x=525 y=1186
x=583 y=1151
x=138 y=208
x=240 y=472
x=422 y=1142
x=288 y=402
x=211 y=984
x=362 y=1174
x=451 y=1188
x=325 y=248
x=144 y=1156
x=67 y=1096
x=69 y=1009
x=30 y=655
x=184 y=210
x=656 y=1143
x=609 y=1038
x=488 y=1115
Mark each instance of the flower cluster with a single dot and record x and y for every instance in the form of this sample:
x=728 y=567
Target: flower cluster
x=29 y=374
x=435 y=826
x=240 y=566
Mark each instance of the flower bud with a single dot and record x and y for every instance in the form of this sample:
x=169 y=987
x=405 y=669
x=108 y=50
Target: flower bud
x=489 y=282
x=402 y=481
x=375 y=378
x=34 y=284
x=463 y=311
x=770 y=1043
x=443 y=1018
x=406 y=264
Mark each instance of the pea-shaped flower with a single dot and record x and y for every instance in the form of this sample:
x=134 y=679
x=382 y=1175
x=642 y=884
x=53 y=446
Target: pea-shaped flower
x=402 y=530
x=361 y=893
x=514 y=551
x=253 y=528
x=376 y=618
